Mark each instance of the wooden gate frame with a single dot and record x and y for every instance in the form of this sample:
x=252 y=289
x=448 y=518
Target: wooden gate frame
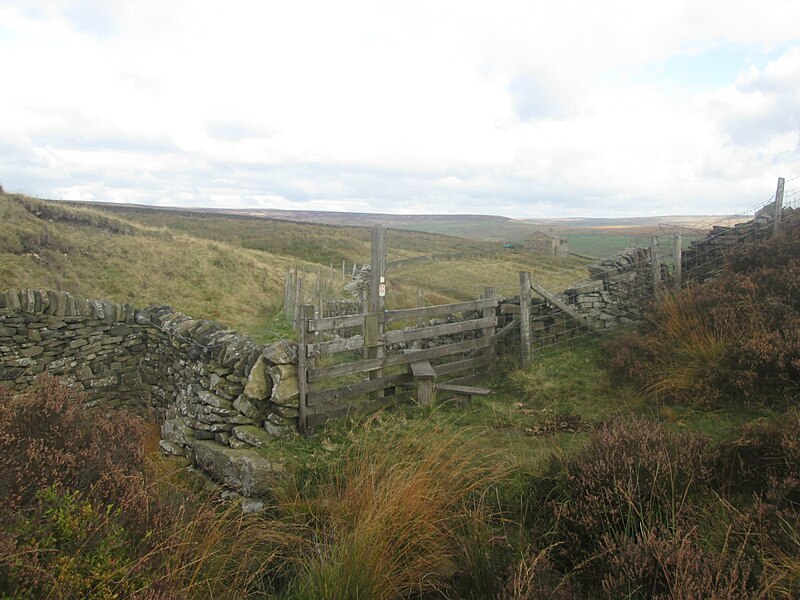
x=481 y=352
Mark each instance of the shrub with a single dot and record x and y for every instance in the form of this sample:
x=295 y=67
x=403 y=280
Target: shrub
x=47 y=438
x=632 y=478
x=91 y=509
x=734 y=340
x=65 y=547
x=660 y=564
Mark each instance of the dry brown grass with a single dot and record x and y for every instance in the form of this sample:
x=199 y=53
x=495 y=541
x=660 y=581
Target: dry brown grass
x=387 y=521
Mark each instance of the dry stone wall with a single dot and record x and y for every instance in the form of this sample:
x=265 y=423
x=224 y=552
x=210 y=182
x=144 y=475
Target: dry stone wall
x=218 y=394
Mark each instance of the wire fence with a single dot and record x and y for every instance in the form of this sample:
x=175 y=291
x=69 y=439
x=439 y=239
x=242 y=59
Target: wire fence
x=705 y=263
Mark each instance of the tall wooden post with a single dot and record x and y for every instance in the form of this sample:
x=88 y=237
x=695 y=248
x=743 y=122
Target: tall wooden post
x=377 y=295
x=420 y=304
x=488 y=332
x=525 y=317
x=287 y=294
x=306 y=314
x=776 y=223
x=319 y=290
x=378 y=270
x=298 y=298
x=677 y=272
x=655 y=262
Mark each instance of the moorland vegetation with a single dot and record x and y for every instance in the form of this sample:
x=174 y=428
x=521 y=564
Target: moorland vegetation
x=664 y=463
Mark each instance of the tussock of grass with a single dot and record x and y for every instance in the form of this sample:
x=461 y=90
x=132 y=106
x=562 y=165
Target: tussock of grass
x=387 y=519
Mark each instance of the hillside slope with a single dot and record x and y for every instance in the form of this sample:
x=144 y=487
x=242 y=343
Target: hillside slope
x=96 y=255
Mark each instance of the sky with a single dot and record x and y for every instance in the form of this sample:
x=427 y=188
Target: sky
x=516 y=108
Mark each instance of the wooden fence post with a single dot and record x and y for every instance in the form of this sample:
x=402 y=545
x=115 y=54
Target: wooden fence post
x=655 y=262
x=306 y=314
x=319 y=291
x=287 y=292
x=677 y=271
x=420 y=304
x=488 y=294
x=377 y=301
x=298 y=298
x=776 y=224
x=377 y=293
x=525 y=316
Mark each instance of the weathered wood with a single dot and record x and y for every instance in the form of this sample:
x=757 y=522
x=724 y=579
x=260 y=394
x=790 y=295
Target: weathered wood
x=378 y=268
x=373 y=348
x=458 y=366
x=490 y=312
x=776 y=223
x=317 y=418
x=655 y=263
x=422 y=368
x=306 y=314
x=565 y=308
x=439 y=310
x=334 y=346
x=424 y=376
x=318 y=398
x=400 y=359
x=286 y=292
x=298 y=298
x=525 y=317
x=463 y=389
x=420 y=304
x=508 y=328
x=331 y=323
x=677 y=270
x=434 y=331
x=509 y=309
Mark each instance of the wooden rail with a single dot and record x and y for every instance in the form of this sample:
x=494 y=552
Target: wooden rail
x=329 y=391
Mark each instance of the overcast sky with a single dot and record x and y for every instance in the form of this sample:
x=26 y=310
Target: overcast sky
x=525 y=109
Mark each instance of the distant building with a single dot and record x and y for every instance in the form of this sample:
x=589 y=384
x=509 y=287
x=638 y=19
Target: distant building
x=546 y=244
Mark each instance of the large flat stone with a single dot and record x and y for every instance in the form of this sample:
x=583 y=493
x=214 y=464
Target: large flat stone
x=244 y=470
x=255 y=436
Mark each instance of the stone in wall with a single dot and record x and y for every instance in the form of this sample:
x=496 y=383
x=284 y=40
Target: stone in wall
x=208 y=383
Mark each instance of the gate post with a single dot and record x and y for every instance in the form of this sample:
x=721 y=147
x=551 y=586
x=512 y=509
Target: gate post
x=525 y=317
x=306 y=314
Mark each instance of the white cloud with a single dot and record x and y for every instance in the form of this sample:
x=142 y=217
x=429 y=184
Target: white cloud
x=443 y=107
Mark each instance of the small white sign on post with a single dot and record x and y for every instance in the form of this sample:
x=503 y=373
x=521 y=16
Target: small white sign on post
x=382 y=290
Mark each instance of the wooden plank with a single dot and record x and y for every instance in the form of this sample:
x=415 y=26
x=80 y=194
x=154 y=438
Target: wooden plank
x=676 y=271
x=488 y=313
x=422 y=368
x=462 y=365
x=306 y=313
x=331 y=323
x=463 y=389
x=424 y=376
x=373 y=349
x=354 y=390
x=525 y=316
x=508 y=328
x=400 y=359
x=377 y=268
x=434 y=331
x=655 y=263
x=334 y=346
x=407 y=314
x=776 y=223
x=568 y=310
x=316 y=419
